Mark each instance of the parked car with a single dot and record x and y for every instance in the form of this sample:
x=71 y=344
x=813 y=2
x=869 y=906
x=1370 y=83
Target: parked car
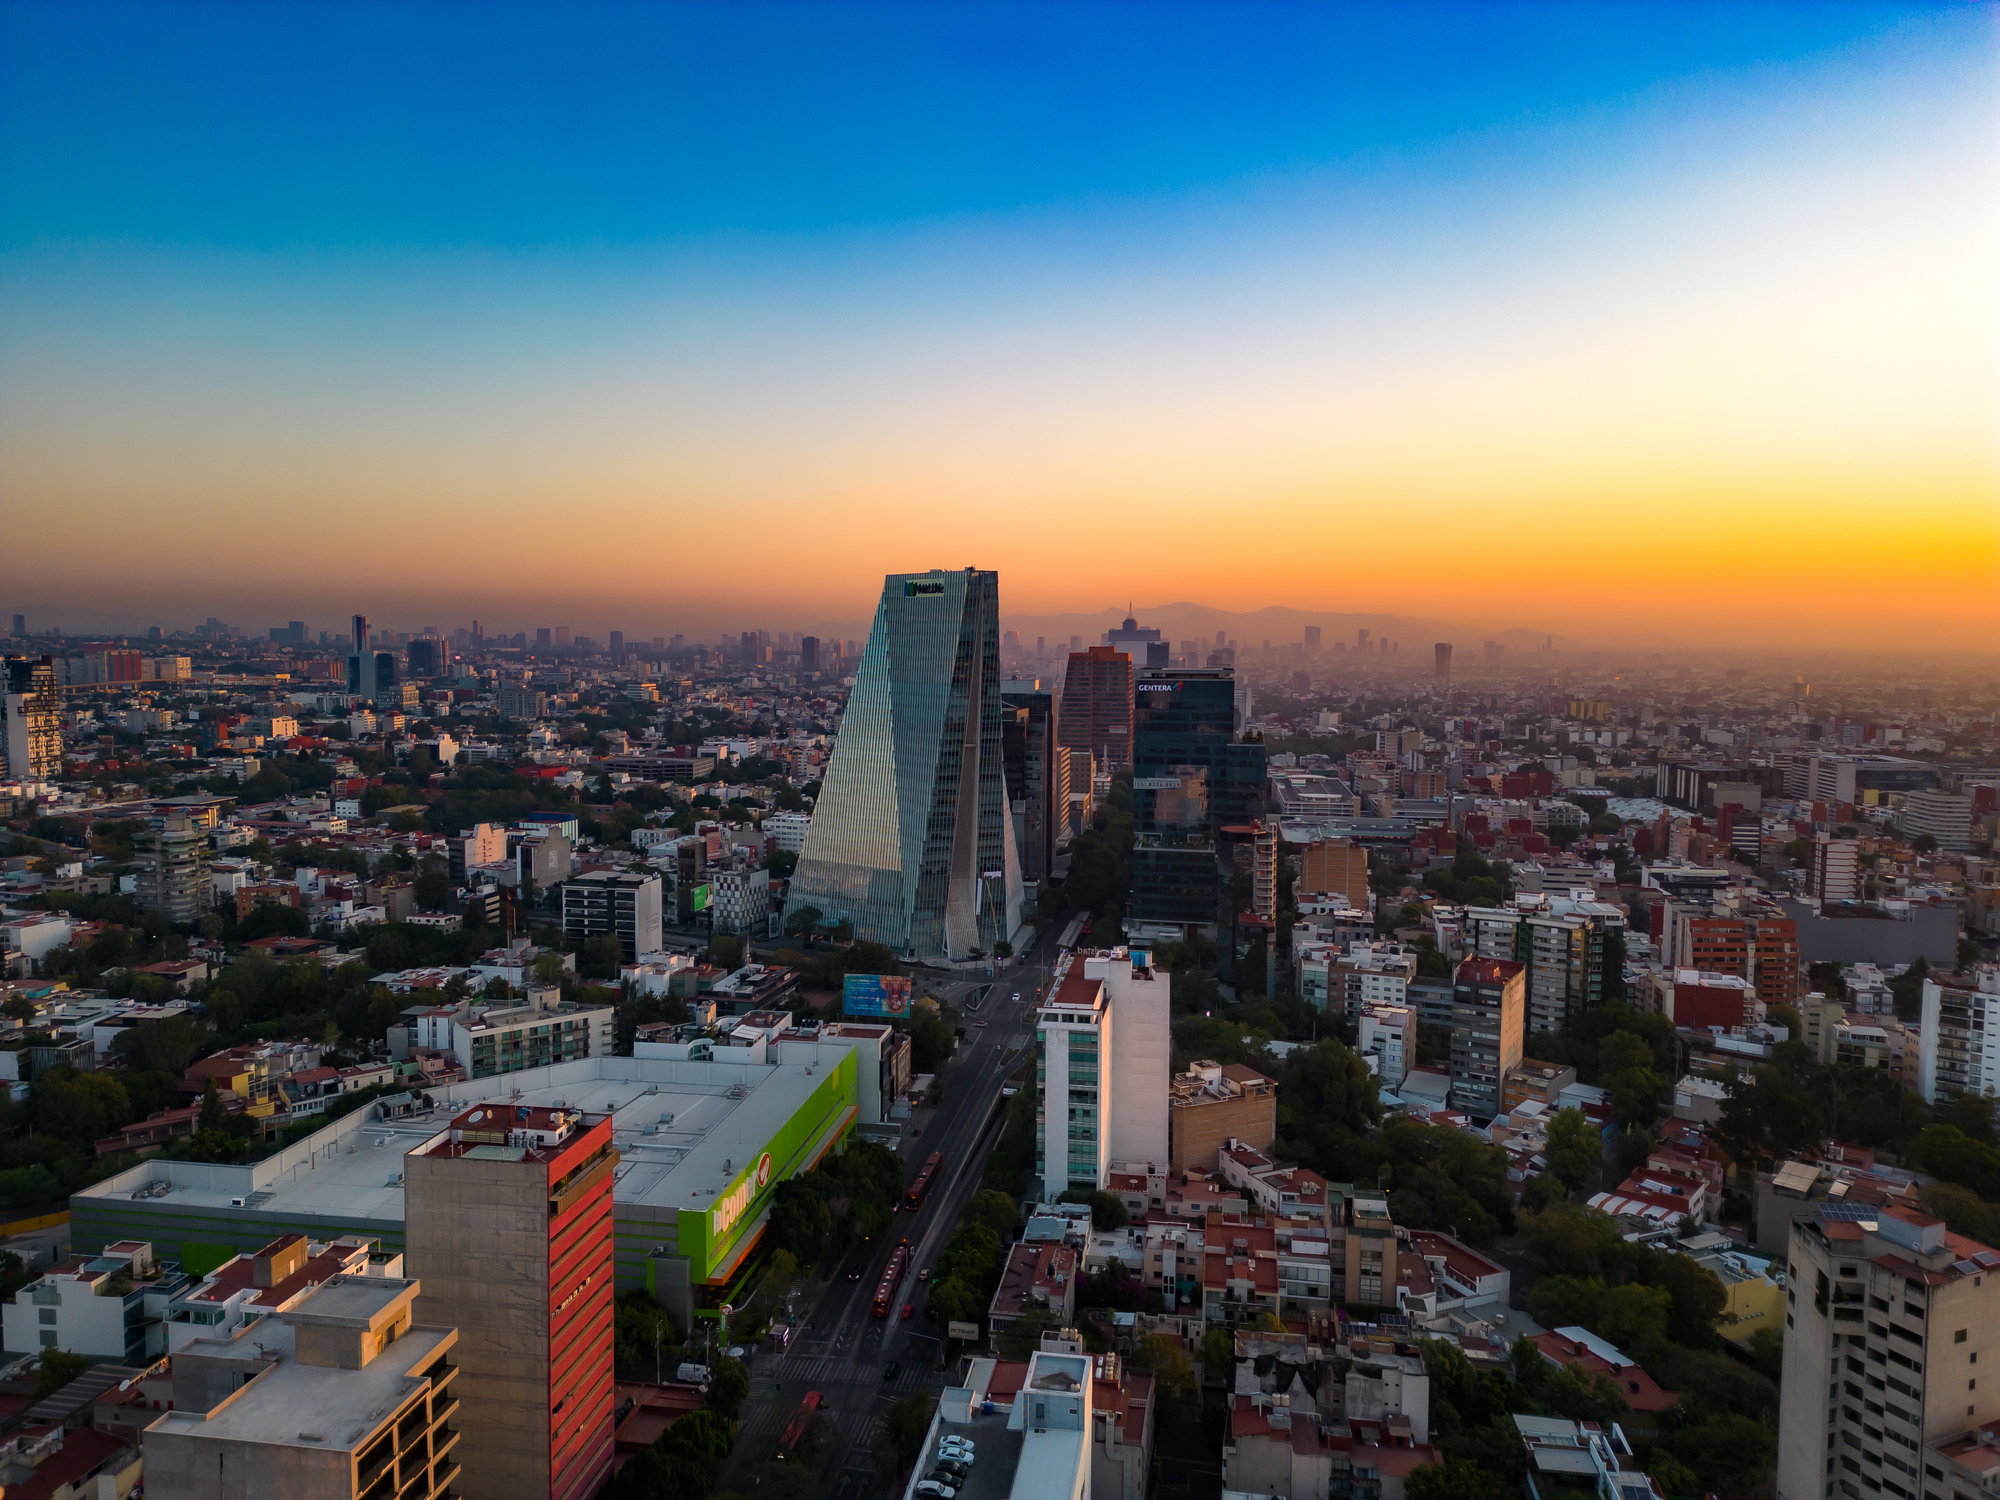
x=955 y=1467
x=957 y=1447
x=935 y=1490
x=938 y=1476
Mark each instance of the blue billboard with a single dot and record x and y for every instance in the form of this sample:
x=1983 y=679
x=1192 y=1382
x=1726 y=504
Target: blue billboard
x=881 y=997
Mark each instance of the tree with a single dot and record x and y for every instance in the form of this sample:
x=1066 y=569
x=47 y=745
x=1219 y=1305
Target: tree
x=904 y=1426
x=1573 y=1239
x=996 y=1211
x=1573 y=1393
x=799 y=1219
x=1630 y=1315
x=1574 y=1147
x=728 y=1386
x=1218 y=1355
x=801 y=920
x=952 y=1301
x=1730 y=1449
x=1563 y=1301
x=1963 y=1211
x=1452 y=1479
x=1948 y=1153
x=1107 y=1211
x=1174 y=1384
x=1767 y=1353
x=1542 y=1190
x=212 y=1112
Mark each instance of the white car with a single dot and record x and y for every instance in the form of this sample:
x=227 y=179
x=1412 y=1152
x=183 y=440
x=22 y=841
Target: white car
x=935 y=1490
x=956 y=1448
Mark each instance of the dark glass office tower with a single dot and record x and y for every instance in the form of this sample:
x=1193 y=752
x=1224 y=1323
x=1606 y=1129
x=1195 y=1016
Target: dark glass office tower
x=1184 y=722
x=1036 y=786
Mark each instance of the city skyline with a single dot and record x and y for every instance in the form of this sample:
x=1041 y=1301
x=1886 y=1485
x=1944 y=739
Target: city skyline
x=1704 y=293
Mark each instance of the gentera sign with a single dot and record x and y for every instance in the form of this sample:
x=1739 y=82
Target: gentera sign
x=732 y=1205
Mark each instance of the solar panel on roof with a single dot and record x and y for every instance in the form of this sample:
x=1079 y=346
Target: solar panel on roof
x=1987 y=1259
x=1847 y=1213
x=1966 y=1267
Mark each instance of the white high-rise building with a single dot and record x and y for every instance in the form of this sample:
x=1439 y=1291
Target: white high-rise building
x=1960 y=1051
x=1388 y=1038
x=1892 y=1325
x=1945 y=816
x=1105 y=1045
x=1836 y=869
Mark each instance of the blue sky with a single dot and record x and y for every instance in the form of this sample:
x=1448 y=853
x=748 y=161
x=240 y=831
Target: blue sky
x=872 y=288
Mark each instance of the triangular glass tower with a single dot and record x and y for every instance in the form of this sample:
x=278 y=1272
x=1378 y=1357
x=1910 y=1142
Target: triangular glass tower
x=910 y=839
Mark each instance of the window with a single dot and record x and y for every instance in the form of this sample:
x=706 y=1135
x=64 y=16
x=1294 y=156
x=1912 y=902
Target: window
x=1959 y=1337
x=48 y=1315
x=48 y=1338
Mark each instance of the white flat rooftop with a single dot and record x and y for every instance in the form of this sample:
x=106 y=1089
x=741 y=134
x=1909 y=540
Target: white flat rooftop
x=722 y=1115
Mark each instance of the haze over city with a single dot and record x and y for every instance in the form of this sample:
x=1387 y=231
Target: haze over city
x=889 y=751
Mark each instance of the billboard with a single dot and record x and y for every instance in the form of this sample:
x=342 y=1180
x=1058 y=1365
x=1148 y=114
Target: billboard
x=962 y=1331
x=881 y=996
x=700 y=897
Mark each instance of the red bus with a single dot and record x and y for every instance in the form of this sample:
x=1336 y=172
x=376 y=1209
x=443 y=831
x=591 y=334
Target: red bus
x=885 y=1294
x=797 y=1430
x=923 y=1183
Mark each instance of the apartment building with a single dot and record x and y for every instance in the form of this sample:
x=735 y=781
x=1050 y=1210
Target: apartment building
x=508 y=1223
x=1891 y=1327
x=1104 y=1058
x=1213 y=1104
x=509 y=1037
x=342 y=1396
x=1945 y=816
x=1960 y=1030
x=621 y=904
x=110 y=1306
x=1489 y=1012
x=173 y=870
x=1387 y=1041
x=1337 y=867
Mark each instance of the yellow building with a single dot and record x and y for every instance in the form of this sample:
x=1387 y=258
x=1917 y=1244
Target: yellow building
x=1756 y=1299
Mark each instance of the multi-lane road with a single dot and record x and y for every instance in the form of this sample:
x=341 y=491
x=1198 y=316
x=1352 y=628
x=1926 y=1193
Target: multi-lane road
x=841 y=1349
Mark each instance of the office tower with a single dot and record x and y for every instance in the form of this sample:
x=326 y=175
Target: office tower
x=911 y=839
x=1945 y=816
x=1142 y=643
x=1106 y=1050
x=625 y=906
x=173 y=870
x=1360 y=640
x=154 y=635
x=478 y=632
x=427 y=658
x=1492 y=650
x=1312 y=638
x=1097 y=704
x=1443 y=650
x=1076 y=643
x=33 y=742
x=20 y=625
x=1488 y=1015
x=342 y=1394
x=1031 y=756
x=1960 y=1033
x=808 y=653
x=1892 y=1325
x=370 y=673
x=1835 y=874
x=747 y=644
x=544 y=639
x=1337 y=867
x=618 y=645
x=1041 y=646
x=1010 y=643
x=508 y=1229
x=562 y=637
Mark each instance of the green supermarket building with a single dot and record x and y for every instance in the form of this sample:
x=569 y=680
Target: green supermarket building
x=702 y=1143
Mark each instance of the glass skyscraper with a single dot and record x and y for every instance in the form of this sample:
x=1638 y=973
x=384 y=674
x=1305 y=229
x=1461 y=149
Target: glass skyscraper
x=911 y=839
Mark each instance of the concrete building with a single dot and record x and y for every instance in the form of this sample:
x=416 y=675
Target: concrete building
x=31 y=748
x=741 y=901
x=1945 y=816
x=110 y=1306
x=787 y=830
x=345 y=1394
x=490 y=1039
x=1105 y=1056
x=1337 y=867
x=510 y=1228
x=1489 y=1011
x=1097 y=705
x=1960 y=1030
x=1889 y=1323
x=911 y=838
x=1213 y=1104
x=623 y=905
x=1536 y=1082
x=1038 y=1277
x=1835 y=871
x=173 y=870
x=1387 y=1042
x=705 y=1141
